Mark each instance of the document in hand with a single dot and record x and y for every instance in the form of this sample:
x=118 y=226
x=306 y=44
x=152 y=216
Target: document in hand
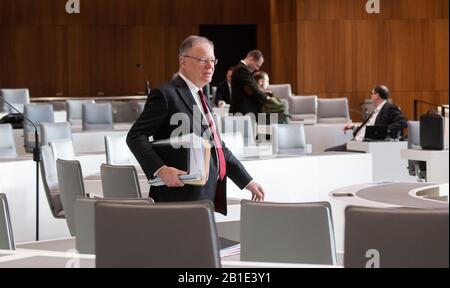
x=189 y=153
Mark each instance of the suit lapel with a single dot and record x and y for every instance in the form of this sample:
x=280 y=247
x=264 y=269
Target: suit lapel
x=380 y=114
x=187 y=98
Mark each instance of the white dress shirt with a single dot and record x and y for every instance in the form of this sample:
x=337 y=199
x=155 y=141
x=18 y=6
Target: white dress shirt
x=371 y=122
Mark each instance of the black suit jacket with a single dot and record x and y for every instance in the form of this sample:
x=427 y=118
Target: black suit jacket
x=247 y=98
x=222 y=93
x=391 y=116
x=162 y=103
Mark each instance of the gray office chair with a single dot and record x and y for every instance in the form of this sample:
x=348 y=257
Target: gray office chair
x=283 y=91
x=55 y=131
x=74 y=110
x=6 y=233
x=62 y=149
x=288 y=138
x=120 y=181
x=17 y=97
x=181 y=235
x=37 y=113
x=124 y=111
x=303 y=108
x=85 y=220
x=49 y=178
x=7 y=143
x=240 y=124
x=333 y=110
x=396 y=237
x=287 y=232
x=97 y=116
x=71 y=185
x=117 y=151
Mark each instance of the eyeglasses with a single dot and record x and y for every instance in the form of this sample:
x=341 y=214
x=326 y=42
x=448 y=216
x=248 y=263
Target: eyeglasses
x=203 y=60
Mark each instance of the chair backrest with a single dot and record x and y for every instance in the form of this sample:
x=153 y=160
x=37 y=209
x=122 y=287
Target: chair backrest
x=414 y=134
x=62 y=149
x=120 y=181
x=303 y=104
x=85 y=220
x=288 y=138
x=97 y=116
x=6 y=233
x=234 y=142
x=71 y=185
x=55 y=131
x=396 y=237
x=283 y=91
x=7 y=144
x=38 y=113
x=50 y=181
x=117 y=151
x=74 y=110
x=333 y=110
x=177 y=234
x=124 y=111
x=287 y=232
x=17 y=97
x=240 y=124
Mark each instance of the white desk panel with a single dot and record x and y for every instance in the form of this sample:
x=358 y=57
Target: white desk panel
x=386 y=161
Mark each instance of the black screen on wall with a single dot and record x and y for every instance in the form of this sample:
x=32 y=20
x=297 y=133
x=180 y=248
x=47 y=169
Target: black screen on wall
x=231 y=44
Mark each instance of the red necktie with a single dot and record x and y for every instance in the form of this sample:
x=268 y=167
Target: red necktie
x=217 y=141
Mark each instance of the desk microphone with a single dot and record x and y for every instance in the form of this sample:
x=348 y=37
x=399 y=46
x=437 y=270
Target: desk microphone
x=147 y=83
x=36 y=158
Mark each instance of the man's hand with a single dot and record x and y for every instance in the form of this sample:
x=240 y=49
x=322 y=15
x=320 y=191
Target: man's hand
x=169 y=175
x=257 y=191
x=348 y=126
x=221 y=103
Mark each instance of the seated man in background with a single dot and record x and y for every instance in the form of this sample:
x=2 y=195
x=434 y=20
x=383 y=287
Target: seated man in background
x=385 y=114
x=273 y=103
x=223 y=93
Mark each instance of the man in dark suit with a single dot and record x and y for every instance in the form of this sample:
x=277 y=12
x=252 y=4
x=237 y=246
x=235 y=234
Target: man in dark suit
x=385 y=114
x=223 y=93
x=183 y=97
x=247 y=97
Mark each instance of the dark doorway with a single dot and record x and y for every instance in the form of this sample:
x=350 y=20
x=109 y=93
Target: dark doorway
x=231 y=44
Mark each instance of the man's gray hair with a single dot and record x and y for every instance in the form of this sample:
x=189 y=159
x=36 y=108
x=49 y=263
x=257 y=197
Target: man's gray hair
x=189 y=42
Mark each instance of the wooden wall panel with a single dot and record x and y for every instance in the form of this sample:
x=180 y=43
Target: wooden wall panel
x=284 y=56
x=343 y=51
x=283 y=11
x=79 y=61
x=440 y=51
x=264 y=44
x=326 y=47
x=370 y=54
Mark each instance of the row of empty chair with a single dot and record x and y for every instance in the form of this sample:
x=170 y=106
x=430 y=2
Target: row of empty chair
x=118 y=181
x=312 y=109
x=120 y=233
x=122 y=111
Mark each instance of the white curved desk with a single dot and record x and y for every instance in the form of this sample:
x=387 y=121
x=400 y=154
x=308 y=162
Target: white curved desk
x=387 y=194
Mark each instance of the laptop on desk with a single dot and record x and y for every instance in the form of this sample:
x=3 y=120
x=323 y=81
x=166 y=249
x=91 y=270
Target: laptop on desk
x=376 y=133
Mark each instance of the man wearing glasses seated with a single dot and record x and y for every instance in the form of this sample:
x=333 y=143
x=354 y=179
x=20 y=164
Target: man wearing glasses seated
x=385 y=114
